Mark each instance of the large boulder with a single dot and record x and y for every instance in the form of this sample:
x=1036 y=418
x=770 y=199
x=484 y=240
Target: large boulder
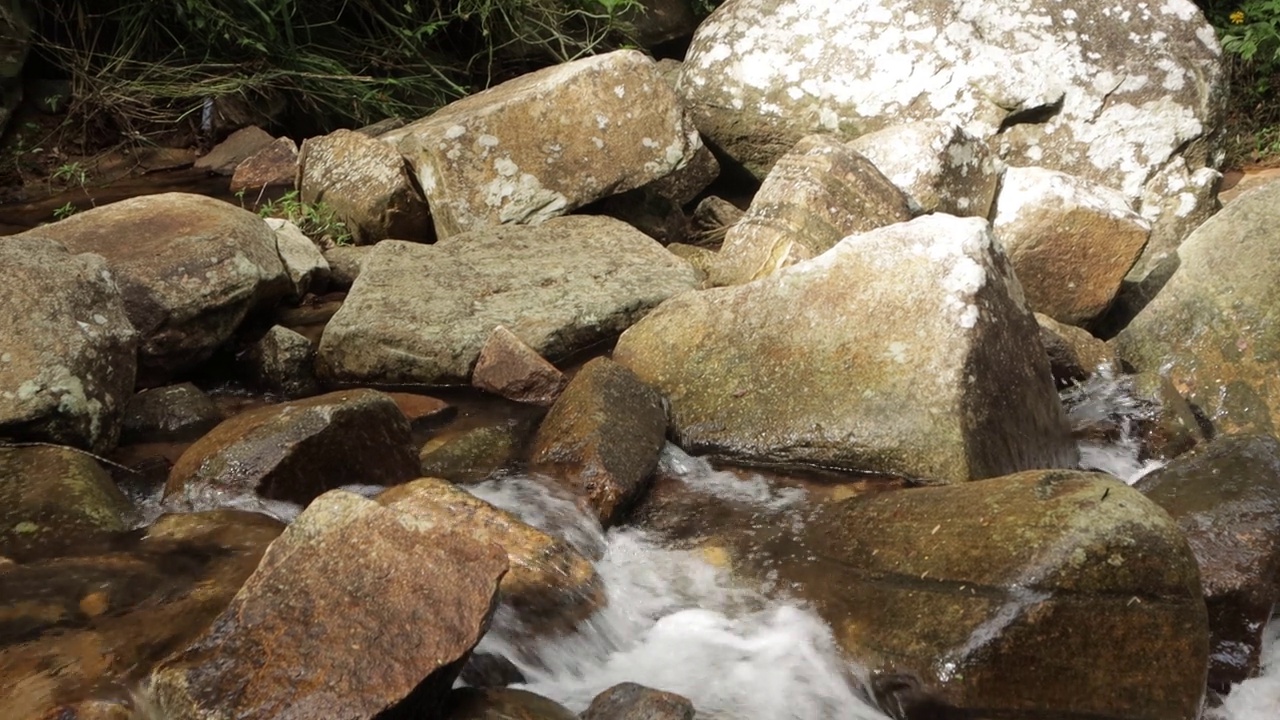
x=602 y=438
x=1112 y=95
x=1225 y=496
x=190 y=268
x=69 y=358
x=354 y=610
x=1210 y=329
x=907 y=350
x=422 y=313
x=818 y=193
x=1045 y=594
x=937 y=164
x=1071 y=241
x=296 y=450
x=548 y=142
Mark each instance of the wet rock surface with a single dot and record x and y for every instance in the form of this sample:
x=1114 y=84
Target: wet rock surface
x=503 y=704
x=174 y=412
x=629 y=701
x=282 y=363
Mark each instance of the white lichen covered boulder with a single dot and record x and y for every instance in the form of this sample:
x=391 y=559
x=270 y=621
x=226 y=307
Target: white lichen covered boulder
x=548 y=142
x=1107 y=91
x=906 y=350
x=937 y=164
x=1070 y=240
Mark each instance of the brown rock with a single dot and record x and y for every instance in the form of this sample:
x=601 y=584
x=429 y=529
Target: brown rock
x=602 y=438
x=509 y=368
x=297 y=450
x=629 y=701
x=422 y=410
x=1074 y=354
x=272 y=167
x=472 y=454
x=239 y=145
x=353 y=611
x=345 y=262
x=1169 y=426
x=171 y=413
x=281 y=362
x=503 y=704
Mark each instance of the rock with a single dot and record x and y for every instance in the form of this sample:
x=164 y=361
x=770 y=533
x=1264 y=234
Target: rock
x=1208 y=329
x=513 y=370
x=307 y=268
x=1175 y=202
x=473 y=454
x=1110 y=97
x=712 y=218
x=1225 y=496
x=937 y=164
x=52 y=499
x=645 y=210
x=274 y=167
x=295 y=617
x=818 y=193
x=1045 y=594
x=422 y=410
x=69 y=358
x=701 y=259
x=684 y=184
x=629 y=701
x=282 y=363
x=421 y=313
x=1074 y=354
x=366 y=183
x=484 y=670
x=345 y=262
x=189 y=268
x=503 y=704
x=906 y=350
x=1071 y=241
x=1168 y=426
x=602 y=125
x=547 y=577
x=296 y=450
x=174 y=413
x=602 y=438
x=239 y=146
x=102 y=621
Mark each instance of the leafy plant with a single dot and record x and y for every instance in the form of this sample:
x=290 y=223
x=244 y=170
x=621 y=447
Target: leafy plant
x=71 y=173
x=316 y=220
x=1250 y=35
x=64 y=212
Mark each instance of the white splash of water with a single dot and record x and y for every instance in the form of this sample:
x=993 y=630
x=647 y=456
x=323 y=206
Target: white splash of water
x=1257 y=698
x=1105 y=400
x=700 y=476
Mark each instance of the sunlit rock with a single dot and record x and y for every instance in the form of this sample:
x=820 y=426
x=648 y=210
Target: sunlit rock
x=1211 y=328
x=937 y=164
x=602 y=438
x=907 y=350
x=511 y=369
x=1041 y=594
x=1225 y=496
x=308 y=270
x=548 y=142
x=295 y=451
x=354 y=610
x=422 y=313
x=1071 y=241
x=189 y=268
x=69 y=355
x=818 y=193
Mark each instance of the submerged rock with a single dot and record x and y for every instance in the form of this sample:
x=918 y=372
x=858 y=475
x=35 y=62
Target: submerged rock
x=906 y=350
x=373 y=611
x=1041 y=594
x=296 y=450
x=1225 y=496
x=471 y=454
x=69 y=358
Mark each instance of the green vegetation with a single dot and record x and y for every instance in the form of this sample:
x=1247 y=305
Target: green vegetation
x=65 y=211
x=1250 y=35
x=316 y=220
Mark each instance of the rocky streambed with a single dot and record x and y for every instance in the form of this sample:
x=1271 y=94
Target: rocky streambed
x=966 y=409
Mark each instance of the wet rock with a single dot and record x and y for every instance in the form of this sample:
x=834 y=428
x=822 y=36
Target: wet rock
x=429 y=596
x=629 y=701
x=605 y=124
x=1045 y=593
x=189 y=269
x=1071 y=241
x=509 y=368
x=52 y=499
x=1225 y=496
x=602 y=438
x=818 y=193
x=937 y=164
x=239 y=146
x=1074 y=354
x=308 y=270
x=296 y=450
x=1062 y=92
x=422 y=410
x=1168 y=426
x=69 y=358
x=282 y=363
x=366 y=183
x=503 y=704
x=1209 y=329
x=421 y=313
x=345 y=262
x=486 y=670
x=547 y=579
x=274 y=167
x=472 y=454
x=76 y=627
x=171 y=413
x=906 y=351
